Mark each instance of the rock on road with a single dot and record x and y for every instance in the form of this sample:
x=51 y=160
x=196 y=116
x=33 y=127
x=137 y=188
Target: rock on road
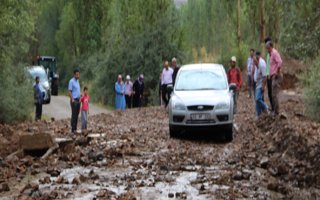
x=59 y=108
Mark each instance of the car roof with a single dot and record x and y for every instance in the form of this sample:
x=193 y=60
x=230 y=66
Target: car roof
x=202 y=66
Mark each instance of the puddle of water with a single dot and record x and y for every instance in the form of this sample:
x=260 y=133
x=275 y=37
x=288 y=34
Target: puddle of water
x=86 y=191
x=181 y=185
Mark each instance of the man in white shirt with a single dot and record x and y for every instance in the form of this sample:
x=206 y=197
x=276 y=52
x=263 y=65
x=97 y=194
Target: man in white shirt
x=260 y=77
x=166 y=82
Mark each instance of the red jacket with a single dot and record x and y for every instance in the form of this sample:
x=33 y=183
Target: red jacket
x=234 y=76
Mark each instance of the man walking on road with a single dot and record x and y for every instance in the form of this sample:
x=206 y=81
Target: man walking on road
x=275 y=74
x=166 y=82
x=38 y=99
x=74 y=94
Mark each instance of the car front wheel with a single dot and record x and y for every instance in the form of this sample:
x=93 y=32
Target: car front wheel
x=229 y=132
x=173 y=132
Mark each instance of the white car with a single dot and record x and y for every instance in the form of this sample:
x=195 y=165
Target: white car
x=45 y=87
x=201 y=99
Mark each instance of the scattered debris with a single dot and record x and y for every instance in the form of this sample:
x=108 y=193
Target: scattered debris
x=129 y=155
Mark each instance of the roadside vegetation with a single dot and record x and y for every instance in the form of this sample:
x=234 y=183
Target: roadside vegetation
x=106 y=37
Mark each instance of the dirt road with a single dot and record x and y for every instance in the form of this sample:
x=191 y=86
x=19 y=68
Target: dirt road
x=129 y=155
x=59 y=108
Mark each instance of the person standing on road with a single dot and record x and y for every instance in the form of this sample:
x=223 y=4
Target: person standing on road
x=128 y=93
x=120 y=88
x=84 y=108
x=138 y=88
x=166 y=83
x=235 y=78
x=269 y=81
x=175 y=68
x=260 y=78
x=74 y=94
x=38 y=98
x=250 y=66
x=275 y=74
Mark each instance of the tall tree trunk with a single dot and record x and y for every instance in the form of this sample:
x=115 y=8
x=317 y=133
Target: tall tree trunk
x=262 y=26
x=238 y=25
x=276 y=24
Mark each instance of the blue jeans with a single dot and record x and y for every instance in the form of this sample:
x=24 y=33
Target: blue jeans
x=84 y=119
x=260 y=105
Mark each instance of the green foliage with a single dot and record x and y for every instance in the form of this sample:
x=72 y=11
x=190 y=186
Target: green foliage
x=311 y=81
x=16 y=103
x=107 y=37
x=16 y=27
x=48 y=22
x=211 y=25
x=128 y=37
x=301 y=36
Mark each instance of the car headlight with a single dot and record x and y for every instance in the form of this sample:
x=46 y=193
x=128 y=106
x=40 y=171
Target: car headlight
x=179 y=106
x=222 y=106
x=46 y=86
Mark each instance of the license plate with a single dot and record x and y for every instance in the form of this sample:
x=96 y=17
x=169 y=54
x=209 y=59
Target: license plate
x=200 y=116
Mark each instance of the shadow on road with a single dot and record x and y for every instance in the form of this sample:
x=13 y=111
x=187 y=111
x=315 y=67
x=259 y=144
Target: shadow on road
x=207 y=136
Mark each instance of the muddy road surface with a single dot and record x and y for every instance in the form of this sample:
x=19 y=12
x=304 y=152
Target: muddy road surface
x=59 y=108
x=129 y=155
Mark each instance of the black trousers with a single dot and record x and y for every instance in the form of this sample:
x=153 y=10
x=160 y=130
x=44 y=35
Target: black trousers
x=38 y=111
x=137 y=101
x=75 y=109
x=129 y=101
x=269 y=85
x=165 y=94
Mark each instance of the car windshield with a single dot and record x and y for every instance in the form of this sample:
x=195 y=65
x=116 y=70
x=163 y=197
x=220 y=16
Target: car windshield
x=42 y=75
x=201 y=80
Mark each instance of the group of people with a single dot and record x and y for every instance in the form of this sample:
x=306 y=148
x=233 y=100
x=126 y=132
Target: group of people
x=128 y=94
x=261 y=75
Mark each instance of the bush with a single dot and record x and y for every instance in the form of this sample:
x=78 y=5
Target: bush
x=311 y=82
x=16 y=102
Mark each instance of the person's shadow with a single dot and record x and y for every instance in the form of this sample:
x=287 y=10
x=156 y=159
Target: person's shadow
x=216 y=135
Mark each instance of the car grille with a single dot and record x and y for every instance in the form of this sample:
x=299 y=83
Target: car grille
x=200 y=108
x=200 y=121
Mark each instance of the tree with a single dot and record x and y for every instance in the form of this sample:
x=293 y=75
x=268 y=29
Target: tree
x=238 y=24
x=16 y=27
x=262 y=25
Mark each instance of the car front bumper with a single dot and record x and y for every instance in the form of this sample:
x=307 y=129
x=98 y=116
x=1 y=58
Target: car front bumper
x=212 y=118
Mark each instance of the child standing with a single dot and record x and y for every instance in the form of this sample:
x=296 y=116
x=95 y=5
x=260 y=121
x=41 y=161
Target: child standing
x=84 y=108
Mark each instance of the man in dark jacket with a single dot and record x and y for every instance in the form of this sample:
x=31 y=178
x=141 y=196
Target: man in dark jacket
x=38 y=99
x=138 y=88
